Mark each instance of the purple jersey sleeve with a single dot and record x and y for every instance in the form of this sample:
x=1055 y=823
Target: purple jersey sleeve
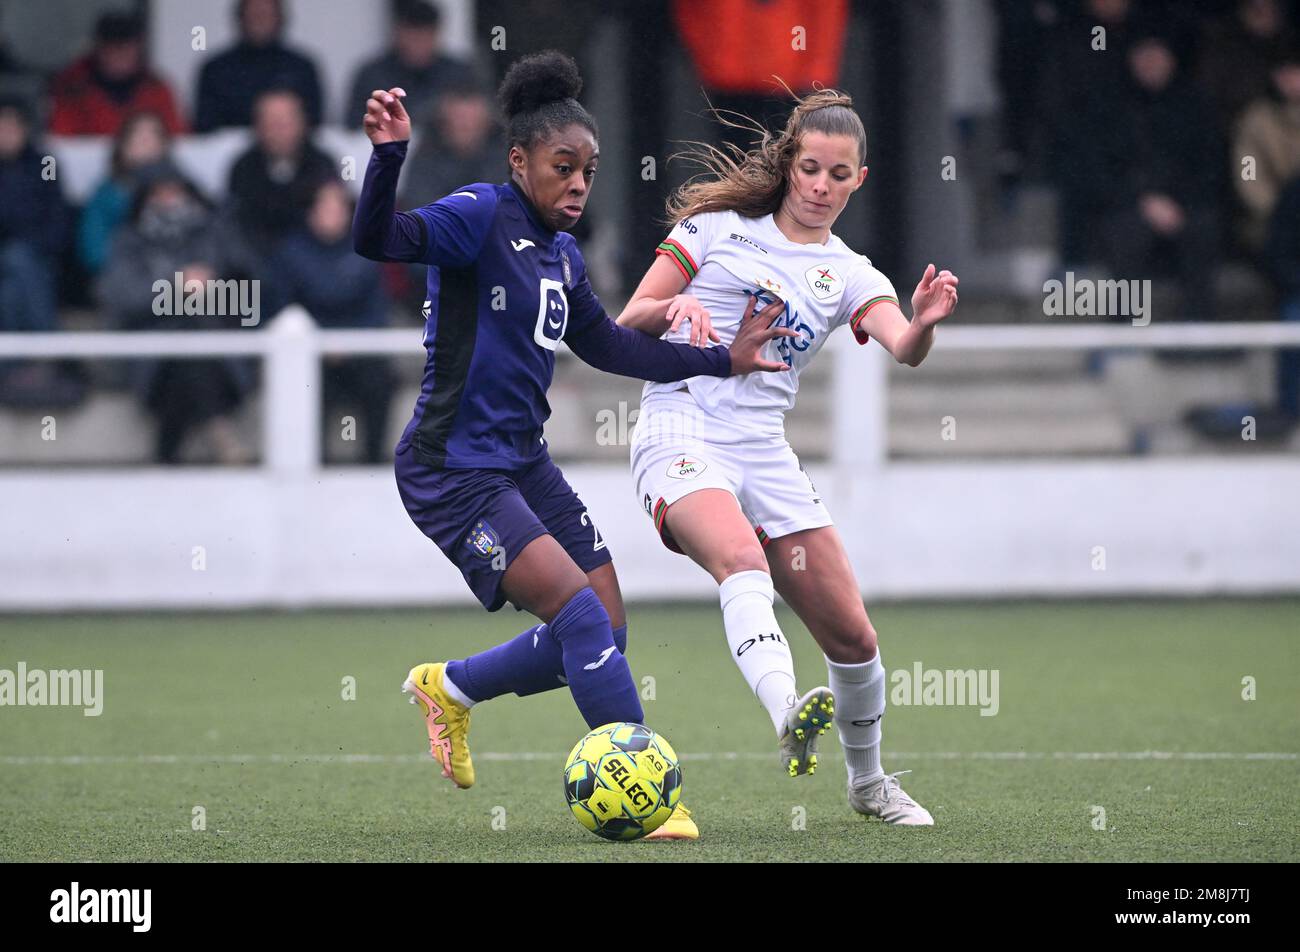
x=449 y=232
x=597 y=340
x=457 y=225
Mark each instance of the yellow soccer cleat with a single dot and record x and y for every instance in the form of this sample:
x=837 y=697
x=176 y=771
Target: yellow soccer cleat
x=447 y=721
x=679 y=826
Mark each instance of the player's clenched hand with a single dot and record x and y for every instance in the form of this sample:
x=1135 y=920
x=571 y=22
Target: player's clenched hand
x=686 y=308
x=386 y=119
x=755 y=331
x=935 y=297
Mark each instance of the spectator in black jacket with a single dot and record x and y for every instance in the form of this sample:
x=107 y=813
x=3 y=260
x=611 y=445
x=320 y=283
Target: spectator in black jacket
x=1151 y=173
x=33 y=226
x=230 y=83
x=317 y=268
x=415 y=62
x=274 y=183
x=1079 y=83
x=1282 y=252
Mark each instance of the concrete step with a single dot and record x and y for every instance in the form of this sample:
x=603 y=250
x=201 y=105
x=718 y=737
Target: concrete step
x=1058 y=399
x=1030 y=434
x=1147 y=390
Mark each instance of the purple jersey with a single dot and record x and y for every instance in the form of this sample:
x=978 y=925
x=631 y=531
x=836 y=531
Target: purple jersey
x=503 y=291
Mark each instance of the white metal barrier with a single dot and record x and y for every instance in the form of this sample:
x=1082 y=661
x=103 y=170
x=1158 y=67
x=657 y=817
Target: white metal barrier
x=292 y=344
x=289 y=533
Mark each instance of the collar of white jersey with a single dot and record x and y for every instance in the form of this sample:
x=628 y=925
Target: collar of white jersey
x=768 y=222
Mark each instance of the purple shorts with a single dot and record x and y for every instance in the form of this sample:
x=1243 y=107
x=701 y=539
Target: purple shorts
x=483 y=518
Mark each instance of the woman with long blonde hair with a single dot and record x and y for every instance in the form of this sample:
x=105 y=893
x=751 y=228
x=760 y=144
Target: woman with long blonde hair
x=712 y=466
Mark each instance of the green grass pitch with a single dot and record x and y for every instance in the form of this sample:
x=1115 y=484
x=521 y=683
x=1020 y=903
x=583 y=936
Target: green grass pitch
x=243 y=715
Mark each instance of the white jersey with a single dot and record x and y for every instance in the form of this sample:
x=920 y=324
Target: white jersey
x=726 y=258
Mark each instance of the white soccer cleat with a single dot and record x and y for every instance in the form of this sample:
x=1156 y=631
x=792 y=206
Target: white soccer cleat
x=804 y=723
x=885 y=799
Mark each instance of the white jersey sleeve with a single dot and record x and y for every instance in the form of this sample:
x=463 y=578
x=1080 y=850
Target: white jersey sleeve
x=864 y=288
x=688 y=244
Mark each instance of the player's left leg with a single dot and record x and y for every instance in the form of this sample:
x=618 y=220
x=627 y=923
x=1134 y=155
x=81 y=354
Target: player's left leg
x=532 y=662
x=812 y=572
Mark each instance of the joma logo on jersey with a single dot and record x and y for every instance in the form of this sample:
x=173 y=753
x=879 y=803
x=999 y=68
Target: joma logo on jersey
x=823 y=280
x=683 y=467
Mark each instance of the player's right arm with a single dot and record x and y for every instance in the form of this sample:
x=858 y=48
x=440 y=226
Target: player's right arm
x=658 y=304
x=449 y=232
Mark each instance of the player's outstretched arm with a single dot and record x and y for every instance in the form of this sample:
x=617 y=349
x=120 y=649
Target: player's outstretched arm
x=379 y=231
x=934 y=299
x=605 y=345
x=658 y=305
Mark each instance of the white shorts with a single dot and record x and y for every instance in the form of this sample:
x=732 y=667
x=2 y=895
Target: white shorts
x=678 y=449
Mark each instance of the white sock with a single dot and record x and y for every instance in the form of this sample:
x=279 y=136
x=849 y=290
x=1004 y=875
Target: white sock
x=757 y=645
x=454 y=690
x=859 y=706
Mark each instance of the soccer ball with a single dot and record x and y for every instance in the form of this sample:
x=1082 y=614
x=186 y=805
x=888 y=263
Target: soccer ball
x=622 y=781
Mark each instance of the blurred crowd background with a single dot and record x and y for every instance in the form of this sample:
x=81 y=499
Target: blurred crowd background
x=1171 y=153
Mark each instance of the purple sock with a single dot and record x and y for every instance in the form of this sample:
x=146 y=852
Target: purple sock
x=529 y=663
x=598 y=674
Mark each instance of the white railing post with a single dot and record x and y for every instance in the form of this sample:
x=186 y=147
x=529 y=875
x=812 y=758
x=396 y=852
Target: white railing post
x=859 y=395
x=291 y=389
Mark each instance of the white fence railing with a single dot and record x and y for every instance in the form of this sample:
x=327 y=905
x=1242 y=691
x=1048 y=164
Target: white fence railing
x=290 y=533
x=292 y=344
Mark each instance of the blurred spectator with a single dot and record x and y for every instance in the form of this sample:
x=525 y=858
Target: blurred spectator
x=33 y=227
x=1078 y=94
x=462 y=144
x=738 y=76
x=172 y=229
x=1269 y=134
x=142 y=141
x=1152 y=172
x=273 y=183
x=1238 y=54
x=33 y=230
x=1025 y=31
x=96 y=93
x=16 y=77
x=531 y=26
x=231 y=82
x=1282 y=252
x=415 y=62
x=317 y=268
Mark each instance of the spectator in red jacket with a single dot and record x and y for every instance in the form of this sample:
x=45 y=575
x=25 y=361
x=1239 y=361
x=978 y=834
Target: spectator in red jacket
x=93 y=95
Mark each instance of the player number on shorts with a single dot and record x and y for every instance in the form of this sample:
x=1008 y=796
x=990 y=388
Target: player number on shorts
x=597 y=543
